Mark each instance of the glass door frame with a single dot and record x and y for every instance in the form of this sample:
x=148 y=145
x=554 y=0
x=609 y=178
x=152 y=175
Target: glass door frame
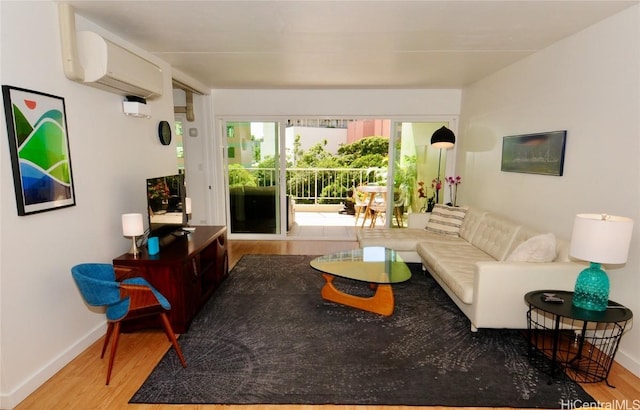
x=281 y=231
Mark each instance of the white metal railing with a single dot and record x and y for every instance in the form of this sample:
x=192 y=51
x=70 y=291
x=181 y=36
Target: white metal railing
x=312 y=185
x=319 y=123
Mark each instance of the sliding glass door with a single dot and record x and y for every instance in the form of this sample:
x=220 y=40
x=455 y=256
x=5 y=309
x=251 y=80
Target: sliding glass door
x=319 y=164
x=253 y=177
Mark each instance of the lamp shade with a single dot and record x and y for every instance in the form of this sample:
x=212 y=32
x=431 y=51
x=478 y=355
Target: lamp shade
x=132 y=225
x=443 y=138
x=601 y=238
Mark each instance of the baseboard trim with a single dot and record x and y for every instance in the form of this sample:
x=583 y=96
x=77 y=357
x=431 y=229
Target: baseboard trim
x=628 y=362
x=12 y=399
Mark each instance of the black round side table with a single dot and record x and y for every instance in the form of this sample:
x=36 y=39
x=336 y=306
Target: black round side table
x=567 y=341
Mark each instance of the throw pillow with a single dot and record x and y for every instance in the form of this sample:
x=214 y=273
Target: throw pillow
x=539 y=248
x=446 y=220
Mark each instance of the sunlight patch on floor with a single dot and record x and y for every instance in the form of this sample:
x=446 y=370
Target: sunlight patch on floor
x=323 y=225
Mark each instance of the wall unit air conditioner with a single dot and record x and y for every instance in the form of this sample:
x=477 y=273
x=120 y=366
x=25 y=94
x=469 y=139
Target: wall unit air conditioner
x=90 y=59
x=113 y=68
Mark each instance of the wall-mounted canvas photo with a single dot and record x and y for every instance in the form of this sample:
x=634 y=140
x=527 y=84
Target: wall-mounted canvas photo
x=39 y=149
x=541 y=153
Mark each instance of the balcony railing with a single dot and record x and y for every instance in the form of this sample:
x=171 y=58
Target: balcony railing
x=312 y=185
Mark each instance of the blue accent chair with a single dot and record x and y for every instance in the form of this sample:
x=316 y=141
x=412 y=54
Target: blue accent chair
x=131 y=298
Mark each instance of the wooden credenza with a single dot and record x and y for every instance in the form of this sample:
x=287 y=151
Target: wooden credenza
x=187 y=271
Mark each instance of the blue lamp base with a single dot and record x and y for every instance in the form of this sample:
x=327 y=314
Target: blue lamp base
x=592 y=289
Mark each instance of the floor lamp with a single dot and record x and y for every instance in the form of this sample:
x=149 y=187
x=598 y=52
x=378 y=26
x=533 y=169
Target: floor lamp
x=442 y=138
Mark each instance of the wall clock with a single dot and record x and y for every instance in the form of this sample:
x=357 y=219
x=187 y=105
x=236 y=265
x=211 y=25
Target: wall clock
x=164 y=132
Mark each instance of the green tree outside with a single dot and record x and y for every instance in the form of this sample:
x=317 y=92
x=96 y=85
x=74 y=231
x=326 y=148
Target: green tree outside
x=366 y=153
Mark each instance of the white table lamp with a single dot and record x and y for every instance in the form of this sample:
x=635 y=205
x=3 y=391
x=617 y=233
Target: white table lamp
x=132 y=226
x=598 y=238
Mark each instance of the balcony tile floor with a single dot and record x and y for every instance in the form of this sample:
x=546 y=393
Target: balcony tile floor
x=325 y=226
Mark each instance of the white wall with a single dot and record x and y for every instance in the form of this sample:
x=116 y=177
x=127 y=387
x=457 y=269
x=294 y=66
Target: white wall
x=44 y=322
x=589 y=85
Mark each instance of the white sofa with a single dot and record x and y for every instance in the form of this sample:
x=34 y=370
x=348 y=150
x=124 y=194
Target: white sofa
x=475 y=266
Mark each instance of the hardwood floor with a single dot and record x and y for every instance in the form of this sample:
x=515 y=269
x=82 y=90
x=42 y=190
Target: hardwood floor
x=80 y=385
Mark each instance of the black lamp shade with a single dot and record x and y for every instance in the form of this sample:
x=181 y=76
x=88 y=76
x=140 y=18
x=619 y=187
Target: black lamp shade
x=443 y=138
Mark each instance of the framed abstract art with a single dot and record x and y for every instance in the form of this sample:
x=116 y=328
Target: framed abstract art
x=541 y=153
x=39 y=149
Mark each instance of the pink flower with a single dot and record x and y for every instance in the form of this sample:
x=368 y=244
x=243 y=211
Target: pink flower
x=453 y=188
x=453 y=181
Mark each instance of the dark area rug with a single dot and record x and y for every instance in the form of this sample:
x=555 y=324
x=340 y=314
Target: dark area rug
x=267 y=337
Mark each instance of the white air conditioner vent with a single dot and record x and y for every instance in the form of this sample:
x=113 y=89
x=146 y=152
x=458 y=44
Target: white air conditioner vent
x=111 y=67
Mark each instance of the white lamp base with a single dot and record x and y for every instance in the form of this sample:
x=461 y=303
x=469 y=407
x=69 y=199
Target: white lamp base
x=134 y=247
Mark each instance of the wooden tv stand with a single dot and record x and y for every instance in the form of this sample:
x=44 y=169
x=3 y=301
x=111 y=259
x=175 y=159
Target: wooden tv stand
x=187 y=271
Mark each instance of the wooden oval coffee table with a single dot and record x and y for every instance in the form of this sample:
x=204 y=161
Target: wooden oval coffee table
x=379 y=267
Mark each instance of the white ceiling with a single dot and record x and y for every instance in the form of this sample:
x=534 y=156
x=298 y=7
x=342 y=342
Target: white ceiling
x=344 y=44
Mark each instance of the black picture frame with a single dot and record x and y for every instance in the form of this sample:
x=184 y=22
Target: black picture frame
x=39 y=150
x=540 y=153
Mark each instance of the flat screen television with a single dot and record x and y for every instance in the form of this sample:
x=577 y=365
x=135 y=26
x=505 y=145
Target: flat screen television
x=166 y=204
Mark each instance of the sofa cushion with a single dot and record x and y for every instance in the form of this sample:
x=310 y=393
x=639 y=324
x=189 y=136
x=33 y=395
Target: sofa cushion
x=563 y=251
x=470 y=224
x=446 y=220
x=523 y=235
x=454 y=265
x=494 y=235
x=448 y=240
x=539 y=248
x=393 y=238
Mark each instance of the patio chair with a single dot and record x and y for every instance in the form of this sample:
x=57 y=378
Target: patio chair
x=360 y=204
x=376 y=203
x=378 y=208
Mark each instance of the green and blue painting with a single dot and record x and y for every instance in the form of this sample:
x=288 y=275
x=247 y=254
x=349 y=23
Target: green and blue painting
x=42 y=150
